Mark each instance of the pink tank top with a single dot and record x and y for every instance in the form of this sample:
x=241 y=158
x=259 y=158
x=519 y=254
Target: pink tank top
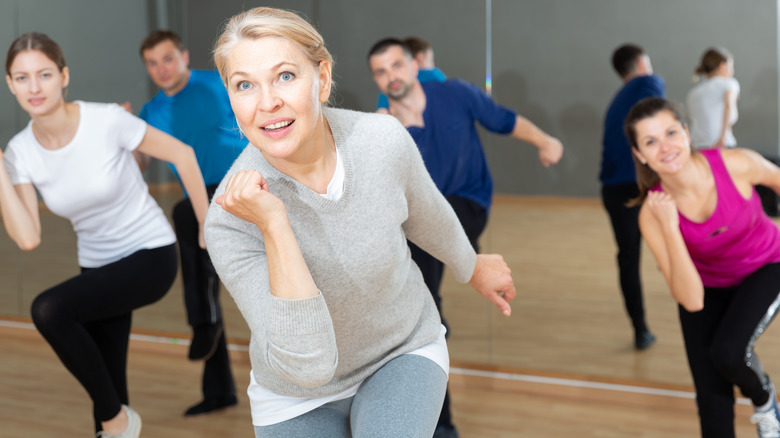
x=737 y=239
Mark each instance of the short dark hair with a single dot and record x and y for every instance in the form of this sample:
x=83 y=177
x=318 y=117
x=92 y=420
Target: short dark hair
x=625 y=57
x=159 y=36
x=382 y=45
x=417 y=45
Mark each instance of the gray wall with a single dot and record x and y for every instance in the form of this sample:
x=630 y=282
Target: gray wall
x=550 y=59
x=550 y=62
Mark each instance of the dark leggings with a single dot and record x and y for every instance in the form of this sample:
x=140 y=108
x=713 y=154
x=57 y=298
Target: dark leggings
x=720 y=341
x=625 y=226
x=201 y=297
x=86 y=320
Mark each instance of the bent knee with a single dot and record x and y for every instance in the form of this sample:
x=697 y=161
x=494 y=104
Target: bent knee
x=46 y=311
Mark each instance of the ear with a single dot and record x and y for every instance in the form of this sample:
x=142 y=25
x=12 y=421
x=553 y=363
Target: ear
x=325 y=80
x=415 y=66
x=10 y=84
x=420 y=58
x=638 y=155
x=65 y=77
x=185 y=55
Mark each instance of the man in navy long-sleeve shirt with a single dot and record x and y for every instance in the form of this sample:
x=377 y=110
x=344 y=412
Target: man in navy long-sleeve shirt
x=618 y=179
x=441 y=117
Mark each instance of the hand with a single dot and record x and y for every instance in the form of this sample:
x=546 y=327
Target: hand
x=492 y=278
x=551 y=151
x=127 y=106
x=662 y=205
x=247 y=198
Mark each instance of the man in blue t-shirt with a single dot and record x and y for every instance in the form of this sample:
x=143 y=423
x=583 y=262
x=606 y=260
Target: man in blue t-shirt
x=193 y=106
x=422 y=52
x=618 y=179
x=441 y=117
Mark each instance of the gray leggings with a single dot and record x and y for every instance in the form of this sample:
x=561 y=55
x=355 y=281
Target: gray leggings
x=401 y=399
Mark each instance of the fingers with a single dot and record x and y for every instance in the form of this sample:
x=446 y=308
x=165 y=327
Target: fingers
x=493 y=279
x=241 y=187
x=501 y=303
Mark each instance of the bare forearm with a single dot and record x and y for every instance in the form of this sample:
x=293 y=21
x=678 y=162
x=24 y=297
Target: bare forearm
x=527 y=131
x=726 y=122
x=684 y=280
x=22 y=227
x=191 y=178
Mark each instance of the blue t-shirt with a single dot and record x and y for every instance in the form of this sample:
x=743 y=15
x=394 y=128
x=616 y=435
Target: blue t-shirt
x=449 y=143
x=200 y=115
x=617 y=166
x=432 y=75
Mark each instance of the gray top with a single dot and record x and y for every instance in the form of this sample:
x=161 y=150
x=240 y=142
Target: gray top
x=373 y=305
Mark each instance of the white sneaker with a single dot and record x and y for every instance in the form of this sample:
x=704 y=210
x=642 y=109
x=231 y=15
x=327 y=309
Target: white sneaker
x=768 y=421
x=133 y=429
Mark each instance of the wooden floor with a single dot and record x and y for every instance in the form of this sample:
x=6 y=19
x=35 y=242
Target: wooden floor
x=39 y=399
x=562 y=365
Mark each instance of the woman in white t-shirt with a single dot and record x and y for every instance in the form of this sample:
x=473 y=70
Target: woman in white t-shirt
x=712 y=103
x=80 y=158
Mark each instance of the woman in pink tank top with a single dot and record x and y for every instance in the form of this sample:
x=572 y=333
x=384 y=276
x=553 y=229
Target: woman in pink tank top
x=720 y=255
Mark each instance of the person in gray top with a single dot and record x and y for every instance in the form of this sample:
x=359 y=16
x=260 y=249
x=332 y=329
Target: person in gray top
x=308 y=232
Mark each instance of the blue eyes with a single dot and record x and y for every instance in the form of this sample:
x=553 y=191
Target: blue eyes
x=284 y=77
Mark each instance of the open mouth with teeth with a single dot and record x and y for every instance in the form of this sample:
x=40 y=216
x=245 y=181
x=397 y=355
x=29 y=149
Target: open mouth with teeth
x=279 y=125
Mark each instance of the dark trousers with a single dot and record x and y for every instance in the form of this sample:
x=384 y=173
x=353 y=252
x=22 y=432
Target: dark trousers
x=87 y=319
x=719 y=341
x=473 y=217
x=201 y=296
x=625 y=226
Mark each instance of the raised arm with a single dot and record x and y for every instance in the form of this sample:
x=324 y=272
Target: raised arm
x=270 y=282
x=164 y=147
x=550 y=148
x=247 y=198
x=19 y=206
x=660 y=227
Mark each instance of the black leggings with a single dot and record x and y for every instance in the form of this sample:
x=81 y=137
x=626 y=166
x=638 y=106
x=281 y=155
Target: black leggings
x=86 y=320
x=720 y=341
x=625 y=225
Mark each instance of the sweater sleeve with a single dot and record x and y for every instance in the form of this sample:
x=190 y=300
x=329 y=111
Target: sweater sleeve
x=295 y=338
x=432 y=224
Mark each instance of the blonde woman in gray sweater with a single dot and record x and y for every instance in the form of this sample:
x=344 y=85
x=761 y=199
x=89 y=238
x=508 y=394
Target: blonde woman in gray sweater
x=308 y=232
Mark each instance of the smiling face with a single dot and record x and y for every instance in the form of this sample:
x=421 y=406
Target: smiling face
x=662 y=142
x=37 y=82
x=394 y=72
x=168 y=67
x=277 y=93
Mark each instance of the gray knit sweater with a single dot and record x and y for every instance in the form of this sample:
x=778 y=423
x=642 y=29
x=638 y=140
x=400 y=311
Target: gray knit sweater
x=373 y=305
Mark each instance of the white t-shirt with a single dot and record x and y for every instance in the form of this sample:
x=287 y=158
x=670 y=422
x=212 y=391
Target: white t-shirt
x=94 y=181
x=336 y=184
x=706 y=105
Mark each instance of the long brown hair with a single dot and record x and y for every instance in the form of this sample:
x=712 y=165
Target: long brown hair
x=35 y=41
x=646 y=177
